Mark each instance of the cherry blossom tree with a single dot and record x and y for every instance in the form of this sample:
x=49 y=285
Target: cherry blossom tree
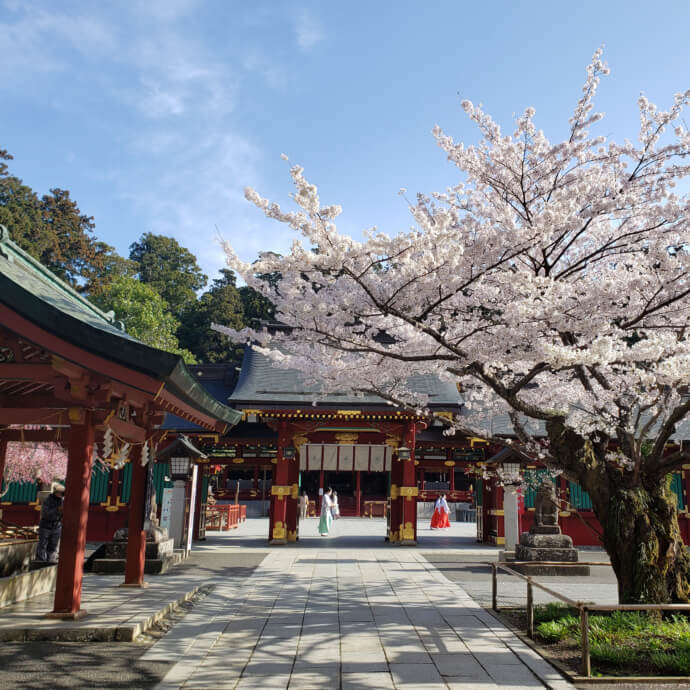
x=29 y=461
x=551 y=282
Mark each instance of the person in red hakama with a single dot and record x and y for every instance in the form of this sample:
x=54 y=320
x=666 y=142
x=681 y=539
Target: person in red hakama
x=439 y=520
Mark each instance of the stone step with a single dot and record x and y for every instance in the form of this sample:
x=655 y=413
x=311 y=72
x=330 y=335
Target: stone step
x=552 y=569
x=152 y=566
x=533 y=553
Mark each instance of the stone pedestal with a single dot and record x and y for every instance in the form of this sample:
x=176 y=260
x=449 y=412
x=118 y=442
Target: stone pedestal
x=546 y=543
x=160 y=555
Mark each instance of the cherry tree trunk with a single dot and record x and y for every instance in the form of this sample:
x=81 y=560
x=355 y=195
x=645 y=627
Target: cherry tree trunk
x=639 y=520
x=642 y=537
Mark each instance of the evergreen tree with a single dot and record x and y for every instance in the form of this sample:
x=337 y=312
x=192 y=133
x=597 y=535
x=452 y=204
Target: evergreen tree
x=221 y=304
x=54 y=231
x=143 y=312
x=170 y=268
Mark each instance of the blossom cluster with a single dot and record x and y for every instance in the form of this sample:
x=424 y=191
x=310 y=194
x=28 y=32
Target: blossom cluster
x=550 y=282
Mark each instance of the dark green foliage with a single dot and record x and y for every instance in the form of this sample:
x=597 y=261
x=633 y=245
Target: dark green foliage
x=54 y=231
x=256 y=307
x=222 y=304
x=154 y=292
x=170 y=269
x=552 y=611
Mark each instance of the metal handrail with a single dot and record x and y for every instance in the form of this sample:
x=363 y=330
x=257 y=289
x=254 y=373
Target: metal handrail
x=582 y=607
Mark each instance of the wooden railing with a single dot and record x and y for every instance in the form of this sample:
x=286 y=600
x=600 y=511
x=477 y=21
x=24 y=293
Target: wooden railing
x=375 y=508
x=582 y=607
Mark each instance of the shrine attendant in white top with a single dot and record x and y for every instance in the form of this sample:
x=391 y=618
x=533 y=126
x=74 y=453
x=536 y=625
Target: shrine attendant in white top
x=326 y=513
x=439 y=519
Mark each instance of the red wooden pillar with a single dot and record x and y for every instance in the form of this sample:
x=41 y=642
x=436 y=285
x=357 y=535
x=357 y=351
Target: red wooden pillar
x=497 y=512
x=323 y=489
x=358 y=493
x=395 y=503
x=256 y=479
x=200 y=501
x=3 y=452
x=74 y=517
x=280 y=490
x=408 y=492
x=292 y=499
x=136 y=537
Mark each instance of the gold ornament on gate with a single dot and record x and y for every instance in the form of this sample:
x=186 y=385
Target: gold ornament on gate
x=346 y=439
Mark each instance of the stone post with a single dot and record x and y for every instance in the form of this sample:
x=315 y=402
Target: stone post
x=177 y=512
x=510 y=518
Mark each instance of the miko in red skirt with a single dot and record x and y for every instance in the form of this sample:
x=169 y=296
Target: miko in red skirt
x=439 y=520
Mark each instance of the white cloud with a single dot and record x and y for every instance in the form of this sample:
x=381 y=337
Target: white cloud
x=308 y=30
x=34 y=40
x=275 y=76
x=166 y=10
x=162 y=98
x=200 y=195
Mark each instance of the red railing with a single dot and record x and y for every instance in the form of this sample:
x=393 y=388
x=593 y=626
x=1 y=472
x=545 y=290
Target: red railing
x=225 y=516
x=451 y=496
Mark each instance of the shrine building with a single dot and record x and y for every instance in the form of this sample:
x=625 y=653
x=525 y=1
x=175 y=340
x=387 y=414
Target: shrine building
x=69 y=375
x=381 y=460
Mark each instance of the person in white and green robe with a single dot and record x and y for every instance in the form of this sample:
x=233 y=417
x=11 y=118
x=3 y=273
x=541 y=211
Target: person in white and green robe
x=326 y=513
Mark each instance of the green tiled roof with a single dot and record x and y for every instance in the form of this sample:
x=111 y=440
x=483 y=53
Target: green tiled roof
x=30 y=289
x=264 y=384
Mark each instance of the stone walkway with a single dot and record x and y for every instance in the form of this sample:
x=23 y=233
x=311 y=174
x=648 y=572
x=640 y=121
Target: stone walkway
x=316 y=615
x=114 y=612
x=122 y=613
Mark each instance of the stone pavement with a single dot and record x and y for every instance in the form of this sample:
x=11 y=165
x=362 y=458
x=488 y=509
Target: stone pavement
x=333 y=613
x=119 y=613
x=470 y=570
x=115 y=613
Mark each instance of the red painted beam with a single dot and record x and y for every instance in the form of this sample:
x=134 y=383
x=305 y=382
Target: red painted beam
x=128 y=431
x=28 y=372
x=95 y=363
x=39 y=415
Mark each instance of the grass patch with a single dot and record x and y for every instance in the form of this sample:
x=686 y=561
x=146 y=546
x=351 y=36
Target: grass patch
x=622 y=643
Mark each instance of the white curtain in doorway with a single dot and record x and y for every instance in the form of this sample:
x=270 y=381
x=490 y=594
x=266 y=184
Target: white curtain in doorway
x=314 y=453
x=330 y=458
x=345 y=458
x=362 y=458
x=377 y=458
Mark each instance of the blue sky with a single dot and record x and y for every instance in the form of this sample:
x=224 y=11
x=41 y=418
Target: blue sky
x=156 y=113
